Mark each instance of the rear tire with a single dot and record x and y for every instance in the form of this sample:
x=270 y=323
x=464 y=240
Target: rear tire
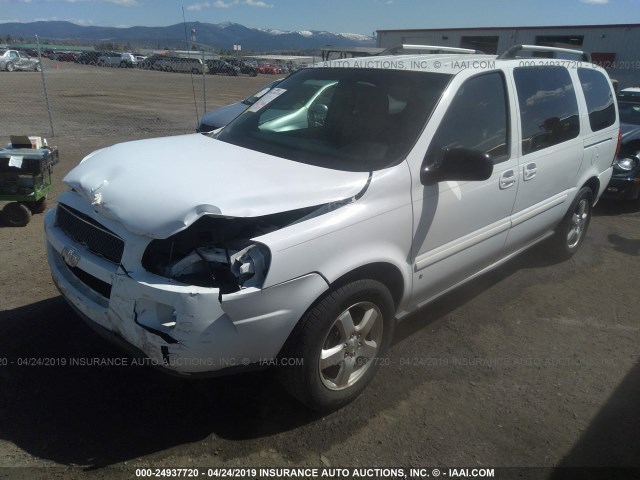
x=338 y=345
x=570 y=232
x=9 y=67
x=16 y=214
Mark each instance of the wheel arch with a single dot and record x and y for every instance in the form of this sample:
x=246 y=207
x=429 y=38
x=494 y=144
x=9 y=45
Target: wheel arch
x=594 y=184
x=591 y=181
x=386 y=273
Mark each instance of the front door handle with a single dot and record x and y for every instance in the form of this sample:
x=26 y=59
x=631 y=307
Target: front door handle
x=529 y=171
x=507 y=179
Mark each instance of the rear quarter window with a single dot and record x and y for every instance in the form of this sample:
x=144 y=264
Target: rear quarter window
x=548 y=107
x=599 y=97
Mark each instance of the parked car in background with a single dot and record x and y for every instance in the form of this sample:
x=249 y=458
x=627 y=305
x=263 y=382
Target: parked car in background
x=245 y=67
x=220 y=67
x=88 y=58
x=219 y=117
x=150 y=62
x=65 y=56
x=625 y=181
x=629 y=95
x=116 y=59
x=179 y=64
x=269 y=69
x=11 y=60
x=30 y=52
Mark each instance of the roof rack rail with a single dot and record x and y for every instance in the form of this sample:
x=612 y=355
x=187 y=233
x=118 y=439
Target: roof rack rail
x=431 y=48
x=511 y=52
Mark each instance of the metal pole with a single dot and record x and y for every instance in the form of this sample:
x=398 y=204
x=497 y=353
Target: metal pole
x=193 y=85
x=204 y=81
x=44 y=84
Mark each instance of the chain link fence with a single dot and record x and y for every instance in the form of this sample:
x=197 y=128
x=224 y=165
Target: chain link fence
x=67 y=98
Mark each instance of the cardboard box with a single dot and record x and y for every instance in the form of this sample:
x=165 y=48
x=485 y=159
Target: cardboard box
x=25 y=141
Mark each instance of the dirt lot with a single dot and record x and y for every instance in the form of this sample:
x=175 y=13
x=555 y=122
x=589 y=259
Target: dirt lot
x=88 y=100
x=533 y=365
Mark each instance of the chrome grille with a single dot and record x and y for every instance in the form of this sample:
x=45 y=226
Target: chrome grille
x=85 y=230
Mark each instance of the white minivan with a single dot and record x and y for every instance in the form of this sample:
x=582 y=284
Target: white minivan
x=348 y=196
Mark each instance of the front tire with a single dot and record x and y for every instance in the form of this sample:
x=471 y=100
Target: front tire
x=571 y=231
x=337 y=347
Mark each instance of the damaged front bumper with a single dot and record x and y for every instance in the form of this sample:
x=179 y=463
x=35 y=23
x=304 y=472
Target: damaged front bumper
x=186 y=329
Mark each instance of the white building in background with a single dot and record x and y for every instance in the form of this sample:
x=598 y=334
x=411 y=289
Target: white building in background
x=616 y=47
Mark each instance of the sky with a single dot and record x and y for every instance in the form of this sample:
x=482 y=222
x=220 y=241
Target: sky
x=337 y=16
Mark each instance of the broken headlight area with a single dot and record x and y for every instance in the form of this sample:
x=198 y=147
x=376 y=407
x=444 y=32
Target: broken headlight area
x=228 y=269
x=218 y=252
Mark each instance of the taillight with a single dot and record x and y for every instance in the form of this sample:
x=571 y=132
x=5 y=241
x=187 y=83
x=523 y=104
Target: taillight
x=618 y=146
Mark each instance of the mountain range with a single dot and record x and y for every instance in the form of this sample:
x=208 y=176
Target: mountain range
x=221 y=35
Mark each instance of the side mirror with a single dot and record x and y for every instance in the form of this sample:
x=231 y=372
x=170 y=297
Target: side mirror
x=456 y=164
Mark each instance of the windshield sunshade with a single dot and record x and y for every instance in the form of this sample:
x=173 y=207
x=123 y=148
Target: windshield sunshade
x=339 y=118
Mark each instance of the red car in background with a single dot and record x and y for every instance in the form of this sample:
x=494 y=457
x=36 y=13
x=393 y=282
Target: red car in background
x=269 y=69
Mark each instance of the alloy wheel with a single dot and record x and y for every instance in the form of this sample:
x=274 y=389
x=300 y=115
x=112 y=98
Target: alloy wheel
x=351 y=346
x=578 y=223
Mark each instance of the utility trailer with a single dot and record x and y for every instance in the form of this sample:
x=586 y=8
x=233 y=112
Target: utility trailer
x=25 y=181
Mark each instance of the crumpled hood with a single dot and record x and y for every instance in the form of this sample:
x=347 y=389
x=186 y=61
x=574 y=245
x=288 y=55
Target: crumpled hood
x=160 y=186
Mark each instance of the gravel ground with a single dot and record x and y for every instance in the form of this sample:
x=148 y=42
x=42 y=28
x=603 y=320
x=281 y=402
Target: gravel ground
x=535 y=364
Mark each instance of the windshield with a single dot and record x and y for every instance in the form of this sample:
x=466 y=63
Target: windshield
x=340 y=118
